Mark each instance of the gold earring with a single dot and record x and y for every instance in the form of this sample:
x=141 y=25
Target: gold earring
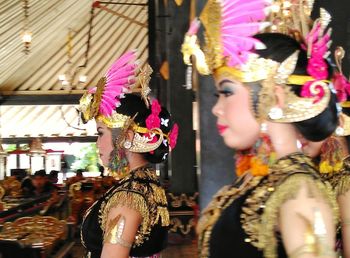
x=127 y=144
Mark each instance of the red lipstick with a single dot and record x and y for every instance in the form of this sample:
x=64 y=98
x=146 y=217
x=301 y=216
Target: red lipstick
x=221 y=128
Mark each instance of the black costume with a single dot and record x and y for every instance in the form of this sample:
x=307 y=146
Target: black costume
x=139 y=190
x=242 y=219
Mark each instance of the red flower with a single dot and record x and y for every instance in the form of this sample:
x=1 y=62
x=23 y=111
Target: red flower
x=342 y=86
x=173 y=136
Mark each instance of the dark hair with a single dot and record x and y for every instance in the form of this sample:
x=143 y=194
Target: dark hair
x=79 y=172
x=278 y=48
x=133 y=105
x=41 y=173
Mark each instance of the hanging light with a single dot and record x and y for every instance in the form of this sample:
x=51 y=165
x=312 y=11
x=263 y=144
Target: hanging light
x=68 y=78
x=82 y=78
x=26 y=34
x=36 y=148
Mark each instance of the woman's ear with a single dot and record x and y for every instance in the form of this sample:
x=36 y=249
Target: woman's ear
x=280 y=96
x=130 y=135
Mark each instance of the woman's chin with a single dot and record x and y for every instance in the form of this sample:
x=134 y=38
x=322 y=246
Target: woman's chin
x=236 y=144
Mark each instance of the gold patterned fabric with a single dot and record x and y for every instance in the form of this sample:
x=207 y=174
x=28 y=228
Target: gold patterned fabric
x=263 y=196
x=340 y=181
x=140 y=190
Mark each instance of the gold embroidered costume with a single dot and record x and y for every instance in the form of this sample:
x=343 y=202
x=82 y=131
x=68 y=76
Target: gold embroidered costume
x=140 y=190
x=256 y=206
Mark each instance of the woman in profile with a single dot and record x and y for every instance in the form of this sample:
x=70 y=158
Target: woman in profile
x=269 y=92
x=131 y=218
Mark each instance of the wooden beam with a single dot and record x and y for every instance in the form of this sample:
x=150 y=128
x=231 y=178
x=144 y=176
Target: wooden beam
x=42 y=99
x=24 y=140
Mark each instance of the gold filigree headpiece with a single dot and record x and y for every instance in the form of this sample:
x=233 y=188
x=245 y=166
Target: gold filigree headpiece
x=101 y=102
x=229 y=28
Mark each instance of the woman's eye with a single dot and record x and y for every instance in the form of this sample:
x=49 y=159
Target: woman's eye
x=226 y=93
x=99 y=133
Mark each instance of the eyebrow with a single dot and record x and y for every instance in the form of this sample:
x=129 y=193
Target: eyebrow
x=99 y=128
x=224 y=81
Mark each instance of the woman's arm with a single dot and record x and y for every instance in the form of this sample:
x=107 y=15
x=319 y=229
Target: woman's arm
x=344 y=204
x=307 y=225
x=121 y=228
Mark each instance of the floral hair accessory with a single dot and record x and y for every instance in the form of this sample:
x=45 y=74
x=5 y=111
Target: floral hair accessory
x=122 y=77
x=173 y=136
x=341 y=83
x=153 y=120
x=318 y=43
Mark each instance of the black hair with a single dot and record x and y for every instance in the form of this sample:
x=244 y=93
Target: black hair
x=278 y=48
x=79 y=172
x=134 y=106
x=53 y=173
x=41 y=173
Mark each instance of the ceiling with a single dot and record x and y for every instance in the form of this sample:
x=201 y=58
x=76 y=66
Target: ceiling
x=115 y=29
x=43 y=121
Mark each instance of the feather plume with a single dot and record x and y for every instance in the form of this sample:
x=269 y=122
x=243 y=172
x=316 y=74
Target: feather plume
x=119 y=79
x=240 y=21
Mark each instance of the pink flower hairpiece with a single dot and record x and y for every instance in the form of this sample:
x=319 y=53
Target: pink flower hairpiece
x=318 y=43
x=173 y=136
x=153 y=120
x=342 y=86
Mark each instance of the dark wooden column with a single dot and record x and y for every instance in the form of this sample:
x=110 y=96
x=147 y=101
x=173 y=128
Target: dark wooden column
x=167 y=28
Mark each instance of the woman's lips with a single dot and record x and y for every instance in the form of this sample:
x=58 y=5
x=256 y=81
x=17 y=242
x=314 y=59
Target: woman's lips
x=221 y=128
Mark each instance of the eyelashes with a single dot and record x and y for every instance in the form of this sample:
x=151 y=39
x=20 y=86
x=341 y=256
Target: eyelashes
x=225 y=93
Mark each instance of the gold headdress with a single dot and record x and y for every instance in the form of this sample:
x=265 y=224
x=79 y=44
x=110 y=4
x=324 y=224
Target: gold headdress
x=229 y=50
x=100 y=103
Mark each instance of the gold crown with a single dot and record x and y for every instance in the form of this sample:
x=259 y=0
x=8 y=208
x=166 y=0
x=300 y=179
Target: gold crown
x=89 y=103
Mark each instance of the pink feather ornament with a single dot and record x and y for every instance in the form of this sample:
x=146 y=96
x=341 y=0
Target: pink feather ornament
x=119 y=79
x=240 y=21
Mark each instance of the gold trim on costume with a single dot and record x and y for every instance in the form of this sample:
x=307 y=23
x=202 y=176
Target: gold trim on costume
x=222 y=199
x=146 y=198
x=270 y=192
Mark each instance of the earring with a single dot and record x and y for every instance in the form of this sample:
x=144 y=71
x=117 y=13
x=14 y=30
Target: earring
x=331 y=156
x=259 y=158
x=263 y=128
x=276 y=113
x=263 y=154
x=119 y=164
x=127 y=144
x=339 y=131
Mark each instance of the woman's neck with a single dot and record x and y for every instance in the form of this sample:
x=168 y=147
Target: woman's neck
x=136 y=160
x=283 y=138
